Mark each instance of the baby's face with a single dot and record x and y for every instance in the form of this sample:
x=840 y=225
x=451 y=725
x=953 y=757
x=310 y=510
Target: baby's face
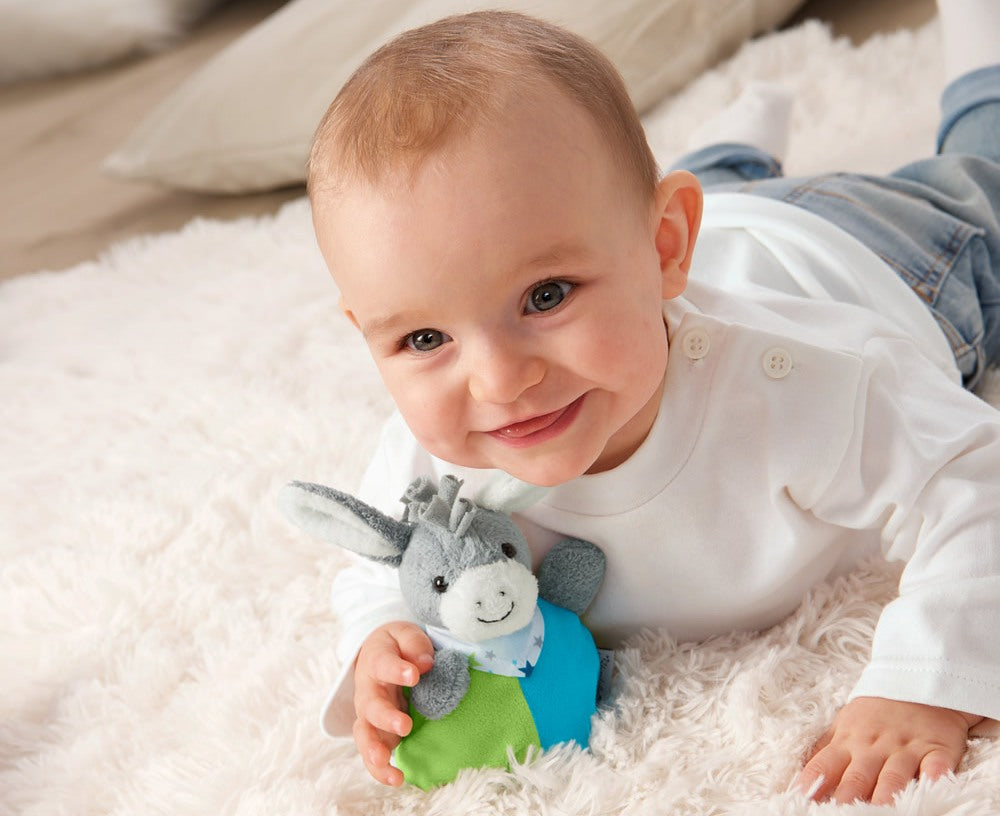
x=510 y=296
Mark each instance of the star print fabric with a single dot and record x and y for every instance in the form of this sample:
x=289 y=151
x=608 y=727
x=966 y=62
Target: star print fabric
x=512 y=655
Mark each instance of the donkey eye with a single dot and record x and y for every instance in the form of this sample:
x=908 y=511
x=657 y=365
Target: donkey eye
x=440 y=585
x=508 y=549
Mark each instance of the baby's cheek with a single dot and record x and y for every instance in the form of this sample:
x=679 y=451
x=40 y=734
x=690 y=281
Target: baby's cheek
x=421 y=405
x=439 y=430
x=425 y=422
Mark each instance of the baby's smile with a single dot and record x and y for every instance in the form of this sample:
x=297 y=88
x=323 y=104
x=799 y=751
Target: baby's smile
x=540 y=428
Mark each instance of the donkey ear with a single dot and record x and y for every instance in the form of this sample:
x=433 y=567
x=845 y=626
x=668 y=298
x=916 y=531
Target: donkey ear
x=341 y=519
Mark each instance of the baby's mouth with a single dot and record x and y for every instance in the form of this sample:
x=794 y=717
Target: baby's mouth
x=520 y=430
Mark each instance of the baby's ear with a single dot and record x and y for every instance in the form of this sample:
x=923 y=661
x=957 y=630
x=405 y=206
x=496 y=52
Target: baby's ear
x=678 y=205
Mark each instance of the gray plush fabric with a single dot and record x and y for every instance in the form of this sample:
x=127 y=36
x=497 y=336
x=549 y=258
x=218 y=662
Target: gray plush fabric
x=443 y=687
x=452 y=535
x=341 y=519
x=571 y=574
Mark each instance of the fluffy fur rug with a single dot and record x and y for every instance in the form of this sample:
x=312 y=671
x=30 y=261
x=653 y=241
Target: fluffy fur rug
x=165 y=636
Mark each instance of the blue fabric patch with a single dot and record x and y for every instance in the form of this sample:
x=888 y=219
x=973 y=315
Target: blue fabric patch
x=561 y=690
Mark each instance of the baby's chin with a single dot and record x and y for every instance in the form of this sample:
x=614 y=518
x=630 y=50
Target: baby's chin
x=543 y=472
x=551 y=471
x=536 y=467
x=552 y=475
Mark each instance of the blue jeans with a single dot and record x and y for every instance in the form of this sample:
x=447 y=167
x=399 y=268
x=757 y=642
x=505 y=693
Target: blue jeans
x=936 y=222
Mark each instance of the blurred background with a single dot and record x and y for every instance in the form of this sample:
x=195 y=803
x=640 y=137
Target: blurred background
x=60 y=208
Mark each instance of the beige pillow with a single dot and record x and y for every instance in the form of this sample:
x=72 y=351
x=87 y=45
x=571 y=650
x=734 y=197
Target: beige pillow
x=39 y=39
x=244 y=121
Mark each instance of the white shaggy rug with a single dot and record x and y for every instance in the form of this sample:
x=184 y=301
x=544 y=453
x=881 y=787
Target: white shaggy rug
x=164 y=633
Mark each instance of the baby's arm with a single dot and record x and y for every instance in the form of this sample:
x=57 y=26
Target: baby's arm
x=876 y=746
x=923 y=469
x=393 y=656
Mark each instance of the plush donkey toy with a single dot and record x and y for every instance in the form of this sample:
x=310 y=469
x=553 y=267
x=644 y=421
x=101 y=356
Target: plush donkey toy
x=513 y=665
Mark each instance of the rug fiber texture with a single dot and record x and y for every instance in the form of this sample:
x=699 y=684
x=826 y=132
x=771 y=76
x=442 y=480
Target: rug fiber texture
x=165 y=636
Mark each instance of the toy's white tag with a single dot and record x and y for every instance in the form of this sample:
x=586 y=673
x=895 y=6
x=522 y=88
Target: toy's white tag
x=607 y=658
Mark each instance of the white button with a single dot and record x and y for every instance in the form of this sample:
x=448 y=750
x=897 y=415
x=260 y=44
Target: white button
x=777 y=363
x=696 y=344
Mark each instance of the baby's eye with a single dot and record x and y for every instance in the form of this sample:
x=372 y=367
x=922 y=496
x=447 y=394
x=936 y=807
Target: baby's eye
x=547 y=296
x=425 y=340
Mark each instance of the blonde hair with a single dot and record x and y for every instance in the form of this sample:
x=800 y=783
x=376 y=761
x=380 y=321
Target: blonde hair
x=435 y=82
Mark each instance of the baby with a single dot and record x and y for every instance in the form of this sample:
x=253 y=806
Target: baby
x=730 y=425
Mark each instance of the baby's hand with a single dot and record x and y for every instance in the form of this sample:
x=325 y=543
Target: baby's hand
x=876 y=746
x=393 y=656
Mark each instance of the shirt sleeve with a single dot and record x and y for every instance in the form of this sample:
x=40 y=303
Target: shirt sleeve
x=366 y=595
x=923 y=466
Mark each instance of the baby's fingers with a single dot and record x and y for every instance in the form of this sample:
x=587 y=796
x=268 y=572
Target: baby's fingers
x=384 y=714
x=375 y=753
x=390 y=669
x=822 y=773
x=866 y=776
x=415 y=647
x=938 y=763
x=903 y=767
x=899 y=770
x=395 y=655
x=835 y=774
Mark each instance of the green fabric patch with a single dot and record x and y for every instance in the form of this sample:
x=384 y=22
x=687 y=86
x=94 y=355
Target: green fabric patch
x=492 y=715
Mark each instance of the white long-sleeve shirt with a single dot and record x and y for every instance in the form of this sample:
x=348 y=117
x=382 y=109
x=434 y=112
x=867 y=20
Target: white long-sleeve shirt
x=812 y=416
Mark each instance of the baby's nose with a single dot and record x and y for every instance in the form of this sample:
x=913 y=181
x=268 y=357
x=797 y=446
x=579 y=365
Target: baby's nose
x=501 y=375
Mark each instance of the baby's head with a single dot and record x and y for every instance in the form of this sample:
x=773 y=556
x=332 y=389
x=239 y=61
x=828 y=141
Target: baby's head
x=486 y=201
x=436 y=83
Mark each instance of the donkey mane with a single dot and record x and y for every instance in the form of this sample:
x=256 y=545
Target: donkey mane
x=440 y=506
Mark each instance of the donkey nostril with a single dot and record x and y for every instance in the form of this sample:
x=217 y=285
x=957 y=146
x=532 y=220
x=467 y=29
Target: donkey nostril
x=503 y=594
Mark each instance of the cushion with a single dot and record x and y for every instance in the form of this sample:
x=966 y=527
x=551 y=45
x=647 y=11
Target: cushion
x=244 y=121
x=56 y=36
